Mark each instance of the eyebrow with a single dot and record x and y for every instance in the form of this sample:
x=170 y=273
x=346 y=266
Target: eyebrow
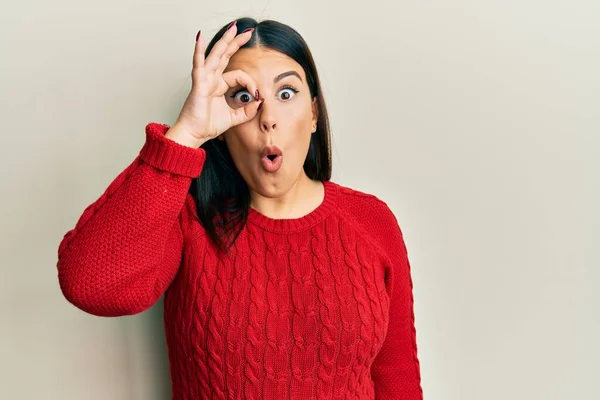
x=288 y=73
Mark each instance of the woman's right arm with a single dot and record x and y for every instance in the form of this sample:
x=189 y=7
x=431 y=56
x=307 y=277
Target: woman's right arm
x=126 y=247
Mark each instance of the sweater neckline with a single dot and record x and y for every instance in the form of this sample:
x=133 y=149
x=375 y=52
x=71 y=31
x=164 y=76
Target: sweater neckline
x=289 y=225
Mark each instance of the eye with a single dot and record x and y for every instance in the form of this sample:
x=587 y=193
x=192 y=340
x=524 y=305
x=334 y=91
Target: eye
x=287 y=92
x=242 y=96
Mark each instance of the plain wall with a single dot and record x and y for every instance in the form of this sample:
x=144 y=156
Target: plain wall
x=476 y=121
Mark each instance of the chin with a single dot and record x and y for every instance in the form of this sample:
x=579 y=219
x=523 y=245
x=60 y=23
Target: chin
x=271 y=185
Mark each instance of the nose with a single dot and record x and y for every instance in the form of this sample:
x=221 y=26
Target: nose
x=267 y=117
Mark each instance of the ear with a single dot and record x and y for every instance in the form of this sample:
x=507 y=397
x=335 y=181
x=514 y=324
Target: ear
x=315 y=114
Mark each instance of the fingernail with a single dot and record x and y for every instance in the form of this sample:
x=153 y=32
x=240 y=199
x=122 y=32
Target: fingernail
x=232 y=24
x=256 y=95
x=248 y=30
x=198 y=34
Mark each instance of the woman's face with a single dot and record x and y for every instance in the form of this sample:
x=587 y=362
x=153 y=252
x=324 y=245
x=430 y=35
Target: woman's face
x=286 y=119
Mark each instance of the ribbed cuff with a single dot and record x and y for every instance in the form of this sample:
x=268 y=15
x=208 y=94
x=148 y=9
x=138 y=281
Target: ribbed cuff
x=168 y=155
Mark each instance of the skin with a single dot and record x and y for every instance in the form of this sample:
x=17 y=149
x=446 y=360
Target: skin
x=285 y=119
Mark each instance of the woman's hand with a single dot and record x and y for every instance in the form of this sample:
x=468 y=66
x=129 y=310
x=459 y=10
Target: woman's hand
x=205 y=113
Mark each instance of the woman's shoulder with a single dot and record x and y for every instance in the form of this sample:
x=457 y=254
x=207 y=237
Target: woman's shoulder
x=355 y=198
x=371 y=216
x=364 y=208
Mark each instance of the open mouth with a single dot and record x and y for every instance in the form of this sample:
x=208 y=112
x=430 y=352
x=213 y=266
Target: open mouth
x=271 y=158
x=272 y=162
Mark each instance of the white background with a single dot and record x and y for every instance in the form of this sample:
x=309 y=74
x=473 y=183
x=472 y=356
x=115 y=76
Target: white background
x=478 y=122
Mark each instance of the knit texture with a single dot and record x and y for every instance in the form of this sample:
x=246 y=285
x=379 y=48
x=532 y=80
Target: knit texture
x=317 y=307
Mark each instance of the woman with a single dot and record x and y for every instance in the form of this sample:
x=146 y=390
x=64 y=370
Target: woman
x=278 y=282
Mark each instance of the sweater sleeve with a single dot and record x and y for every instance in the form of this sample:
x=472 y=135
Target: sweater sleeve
x=396 y=369
x=126 y=247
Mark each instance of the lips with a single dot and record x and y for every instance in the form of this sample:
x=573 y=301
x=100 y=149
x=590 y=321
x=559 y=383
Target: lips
x=271 y=158
x=271 y=151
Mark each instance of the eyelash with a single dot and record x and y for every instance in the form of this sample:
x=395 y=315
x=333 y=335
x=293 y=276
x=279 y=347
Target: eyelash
x=293 y=89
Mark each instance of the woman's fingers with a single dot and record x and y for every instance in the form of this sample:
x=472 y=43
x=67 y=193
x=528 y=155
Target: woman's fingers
x=233 y=47
x=245 y=114
x=238 y=77
x=198 y=60
x=213 y=59
x=198 y=76
x=217 y=59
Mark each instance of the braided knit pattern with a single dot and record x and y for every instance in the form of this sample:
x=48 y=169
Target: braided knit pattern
x=318 y=307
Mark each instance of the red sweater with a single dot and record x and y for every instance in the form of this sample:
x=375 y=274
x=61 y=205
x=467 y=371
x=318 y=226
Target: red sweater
x=318 y=307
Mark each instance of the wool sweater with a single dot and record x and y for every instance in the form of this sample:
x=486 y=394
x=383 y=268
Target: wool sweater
x=316 y=307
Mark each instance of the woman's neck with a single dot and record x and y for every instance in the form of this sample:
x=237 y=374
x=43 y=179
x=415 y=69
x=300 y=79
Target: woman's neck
x=302 y=198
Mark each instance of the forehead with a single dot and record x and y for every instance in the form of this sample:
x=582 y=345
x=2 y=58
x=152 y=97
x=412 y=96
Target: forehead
x=261 y=63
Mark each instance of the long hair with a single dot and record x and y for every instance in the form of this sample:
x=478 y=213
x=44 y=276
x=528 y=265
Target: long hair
x=221 y=194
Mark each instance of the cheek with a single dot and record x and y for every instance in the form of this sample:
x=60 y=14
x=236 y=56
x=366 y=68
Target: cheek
x=300 y=116
x=240 y=144
x=300 y=133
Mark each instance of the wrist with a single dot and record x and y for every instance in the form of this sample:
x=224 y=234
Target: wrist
x=181 y=135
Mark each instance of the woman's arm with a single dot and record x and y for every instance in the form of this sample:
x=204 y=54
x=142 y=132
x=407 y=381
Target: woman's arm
x=396 y=369
x=126 y=247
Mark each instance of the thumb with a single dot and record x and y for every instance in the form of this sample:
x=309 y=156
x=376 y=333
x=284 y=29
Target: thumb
x=246 y=113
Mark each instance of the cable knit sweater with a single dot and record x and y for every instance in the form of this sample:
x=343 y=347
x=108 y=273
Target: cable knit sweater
x=317 y=307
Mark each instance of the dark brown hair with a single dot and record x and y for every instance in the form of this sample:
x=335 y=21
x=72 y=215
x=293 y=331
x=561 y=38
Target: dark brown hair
x=221 y=194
